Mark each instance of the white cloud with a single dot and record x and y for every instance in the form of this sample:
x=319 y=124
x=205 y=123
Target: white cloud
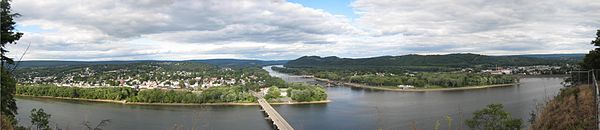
x=276 y=29
x=484 y=26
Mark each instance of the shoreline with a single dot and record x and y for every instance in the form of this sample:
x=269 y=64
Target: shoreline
x=356 y=85
x=172 y=104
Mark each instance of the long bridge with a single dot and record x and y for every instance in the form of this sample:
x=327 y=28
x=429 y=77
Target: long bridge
x=272 y=114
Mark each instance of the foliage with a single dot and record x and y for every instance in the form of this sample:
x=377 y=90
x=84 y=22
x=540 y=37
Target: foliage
x=211 y=95
x=7 y=30
x=164 y=96
x=7 y=102
x=398 y=64
x=39 y=118
x=574 y=108
x=7 y=36
x=273 y=93
x=226 y=94
x=493 y=117
x=303 y=92
x=420 y=79
x=97 y=127
x=592 y=59
x=110 y=93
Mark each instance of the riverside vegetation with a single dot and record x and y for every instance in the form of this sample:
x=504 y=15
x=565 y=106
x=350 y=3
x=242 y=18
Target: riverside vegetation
x=419 y=79
x=222 y=94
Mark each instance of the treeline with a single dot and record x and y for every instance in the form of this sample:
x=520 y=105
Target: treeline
x=303 y=92
x=110 y=93
x=419 y=79
x=434 y=80
x=211 y=95
x=419 y=62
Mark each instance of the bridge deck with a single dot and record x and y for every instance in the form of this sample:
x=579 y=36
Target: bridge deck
x=272 y=114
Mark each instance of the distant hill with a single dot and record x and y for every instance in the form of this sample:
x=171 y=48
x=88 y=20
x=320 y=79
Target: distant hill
x=218 y=62
x=572 y=57
x=422 y=62
x=238 y=62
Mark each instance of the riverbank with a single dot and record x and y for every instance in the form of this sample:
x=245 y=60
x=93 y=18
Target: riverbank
x=172 y=104
x=415 y=90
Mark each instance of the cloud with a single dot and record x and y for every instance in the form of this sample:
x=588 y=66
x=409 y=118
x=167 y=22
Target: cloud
x=277 y=29
x=485 y=26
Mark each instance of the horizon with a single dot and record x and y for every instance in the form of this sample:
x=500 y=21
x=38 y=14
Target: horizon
x=283 y=30
x=583 y=54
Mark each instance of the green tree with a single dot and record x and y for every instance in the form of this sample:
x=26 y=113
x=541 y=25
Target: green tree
x=181 y=84
x=592 y=59
x=273 y=92
x=8 y=36
x=8 y=26
x=39 y=118
x=493 y=117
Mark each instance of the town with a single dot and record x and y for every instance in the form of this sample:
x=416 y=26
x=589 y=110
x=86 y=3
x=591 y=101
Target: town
x=145 y=76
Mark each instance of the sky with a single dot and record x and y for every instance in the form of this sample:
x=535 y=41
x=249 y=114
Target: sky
x=282 y=30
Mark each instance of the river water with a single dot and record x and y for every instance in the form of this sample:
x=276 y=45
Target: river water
x=351 y=108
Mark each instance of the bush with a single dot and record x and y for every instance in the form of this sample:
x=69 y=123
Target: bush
x=493 y=117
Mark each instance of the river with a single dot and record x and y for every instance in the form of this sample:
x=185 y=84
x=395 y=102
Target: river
x=350 y=108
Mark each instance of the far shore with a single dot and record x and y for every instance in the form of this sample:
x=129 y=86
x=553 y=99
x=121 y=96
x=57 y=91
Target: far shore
x=418 y=89
x=175 y=104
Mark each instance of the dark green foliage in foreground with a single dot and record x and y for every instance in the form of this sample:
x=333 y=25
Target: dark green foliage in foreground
x=592 y=59
x=493 y=117
x=8 y=35
x=7 y=30
x=7 y=102
x=39 y=119
x=420 y=79
x=303 y=92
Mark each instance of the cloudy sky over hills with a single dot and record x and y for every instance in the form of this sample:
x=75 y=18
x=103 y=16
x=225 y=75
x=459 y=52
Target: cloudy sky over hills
x=278 y=29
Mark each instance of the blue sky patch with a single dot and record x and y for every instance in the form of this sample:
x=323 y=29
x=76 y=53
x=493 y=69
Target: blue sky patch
x=336 y=7
x=32 y=28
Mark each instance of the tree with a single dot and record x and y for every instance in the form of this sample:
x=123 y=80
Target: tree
x=273 y=92
x=181 y=84
x=493 y=117
x=8 y=26
x=592 y=59
x=8 y=36
x=39 y=118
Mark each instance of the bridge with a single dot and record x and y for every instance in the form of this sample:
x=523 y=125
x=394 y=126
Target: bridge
x=272 y=114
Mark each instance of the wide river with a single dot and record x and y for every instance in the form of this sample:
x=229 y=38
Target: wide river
x=351 y=108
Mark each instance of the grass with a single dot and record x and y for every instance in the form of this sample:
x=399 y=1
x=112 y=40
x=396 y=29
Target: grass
x=572 y=109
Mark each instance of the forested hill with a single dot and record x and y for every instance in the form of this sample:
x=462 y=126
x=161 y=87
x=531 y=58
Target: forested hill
x=422 y=61
x=218 y=62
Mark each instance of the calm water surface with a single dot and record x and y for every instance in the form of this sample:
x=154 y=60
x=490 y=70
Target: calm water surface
x=350 y=108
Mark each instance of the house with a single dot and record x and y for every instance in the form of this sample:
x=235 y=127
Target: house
x=406 y=86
